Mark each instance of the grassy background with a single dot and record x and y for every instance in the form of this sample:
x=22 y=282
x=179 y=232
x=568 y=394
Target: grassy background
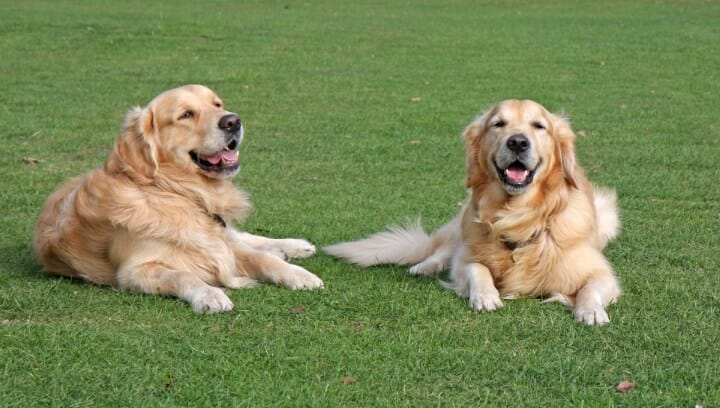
x=353 y=113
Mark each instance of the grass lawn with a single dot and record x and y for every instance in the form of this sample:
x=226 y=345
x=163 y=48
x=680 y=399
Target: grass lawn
x=352 y=113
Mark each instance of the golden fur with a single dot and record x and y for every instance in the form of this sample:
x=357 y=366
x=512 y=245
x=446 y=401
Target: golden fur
x=156 y=218
x=533 y=224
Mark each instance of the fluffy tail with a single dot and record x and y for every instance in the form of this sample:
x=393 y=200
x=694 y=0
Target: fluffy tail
x=606 y=211
x=399 y=245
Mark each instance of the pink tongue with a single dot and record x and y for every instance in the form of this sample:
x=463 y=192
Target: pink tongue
x=516 y=175
x=230 y=156
x=224 y=155
x=215 y=159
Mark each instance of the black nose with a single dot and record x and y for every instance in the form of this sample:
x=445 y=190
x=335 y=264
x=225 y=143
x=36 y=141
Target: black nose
x=229 y=122
x=518 y=143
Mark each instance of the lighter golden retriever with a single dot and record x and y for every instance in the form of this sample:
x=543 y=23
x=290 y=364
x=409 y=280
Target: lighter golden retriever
x=533 y=224
x=157 y=217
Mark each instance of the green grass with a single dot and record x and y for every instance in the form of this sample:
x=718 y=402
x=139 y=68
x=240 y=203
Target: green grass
x=328 y=94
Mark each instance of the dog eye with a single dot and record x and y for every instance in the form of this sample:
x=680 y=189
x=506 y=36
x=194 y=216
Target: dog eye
x=218 y=105
x=187 y=115
x=538 y=125
x=499 y=124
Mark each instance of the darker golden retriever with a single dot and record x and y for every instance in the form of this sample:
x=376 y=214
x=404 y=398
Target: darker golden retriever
x=533 y=224
x=157 y=217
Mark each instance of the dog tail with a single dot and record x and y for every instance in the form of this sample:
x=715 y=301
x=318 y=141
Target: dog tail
x=606 y=211
x=398 y=245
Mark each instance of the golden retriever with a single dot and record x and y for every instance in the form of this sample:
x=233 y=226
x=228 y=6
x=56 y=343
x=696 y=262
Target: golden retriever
x=157 y=217
x=533 y=224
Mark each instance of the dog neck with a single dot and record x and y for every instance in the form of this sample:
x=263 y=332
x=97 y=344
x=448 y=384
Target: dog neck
x=515 y=222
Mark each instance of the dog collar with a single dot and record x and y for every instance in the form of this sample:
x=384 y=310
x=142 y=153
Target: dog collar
x=219 y=220
x=513 y=245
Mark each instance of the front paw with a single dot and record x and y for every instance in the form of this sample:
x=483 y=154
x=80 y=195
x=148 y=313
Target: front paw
x=297 y=248
x=209 y=299
x=299 y=278
x=592 y=316
x=484 y=301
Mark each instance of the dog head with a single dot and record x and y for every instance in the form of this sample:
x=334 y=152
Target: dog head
x=186 y=127
x=519 y=144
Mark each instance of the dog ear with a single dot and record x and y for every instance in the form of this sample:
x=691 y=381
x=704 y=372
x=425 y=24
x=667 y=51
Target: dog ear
x=137 y=146
x=471 y=137
x=565 y=148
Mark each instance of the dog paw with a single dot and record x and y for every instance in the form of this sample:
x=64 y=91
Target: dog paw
x=426 y=268
x=301 y=279
x=485 y=301
x=592 y=316
x=297 y=248
x=210 y=299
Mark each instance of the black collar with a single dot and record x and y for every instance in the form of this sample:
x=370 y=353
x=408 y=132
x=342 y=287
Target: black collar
x=513 y=245
x=219 y=220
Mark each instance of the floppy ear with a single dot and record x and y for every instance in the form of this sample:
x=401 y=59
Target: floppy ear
x=565 y=148
x=471 y=137
x=137 y=146
x=476 y=171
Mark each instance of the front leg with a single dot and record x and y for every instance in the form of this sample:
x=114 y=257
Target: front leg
x=474 y=281
x=266 y=267
x=284 y=248
x=156 y=278
x=599 y=287
x=600 y=290
x=483 y=295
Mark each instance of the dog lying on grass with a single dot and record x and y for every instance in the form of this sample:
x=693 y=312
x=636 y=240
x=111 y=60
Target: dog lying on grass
x=533 y=224
x=157 y=217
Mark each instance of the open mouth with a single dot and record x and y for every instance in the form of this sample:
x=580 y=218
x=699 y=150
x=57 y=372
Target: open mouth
x=516 y=175
x=222 y=162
